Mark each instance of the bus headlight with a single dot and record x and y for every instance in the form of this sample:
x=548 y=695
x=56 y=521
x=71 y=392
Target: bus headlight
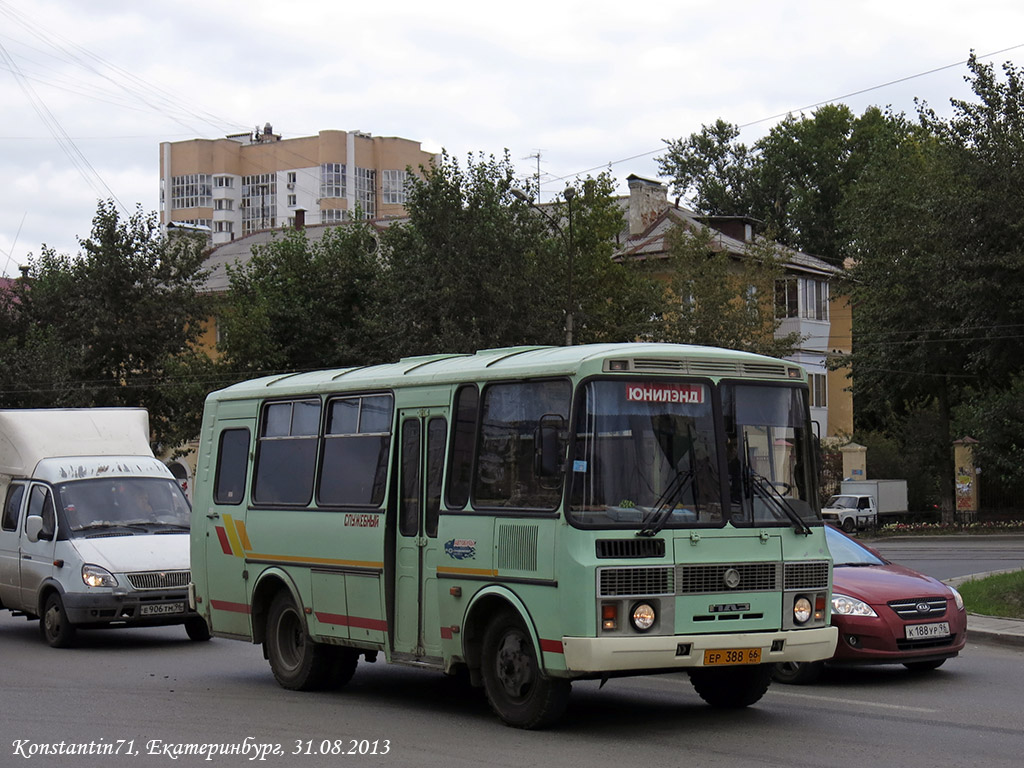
x=802 y=610
x=642 y=617
x=94 y=576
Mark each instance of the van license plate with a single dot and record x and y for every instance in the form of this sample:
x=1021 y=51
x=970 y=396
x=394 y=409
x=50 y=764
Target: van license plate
x=919 y=631
x=160 y=609
x=723 y=656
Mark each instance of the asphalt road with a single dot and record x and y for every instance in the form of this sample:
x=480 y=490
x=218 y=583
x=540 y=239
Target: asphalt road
x=945 y=557
x=152 y=694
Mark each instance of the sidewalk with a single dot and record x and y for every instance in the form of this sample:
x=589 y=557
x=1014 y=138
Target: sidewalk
x=991 y=628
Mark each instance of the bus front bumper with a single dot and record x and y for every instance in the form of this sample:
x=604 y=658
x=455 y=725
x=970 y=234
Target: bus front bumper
x=640 y=652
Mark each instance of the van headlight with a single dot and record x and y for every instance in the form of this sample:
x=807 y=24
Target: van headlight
x=94 y=576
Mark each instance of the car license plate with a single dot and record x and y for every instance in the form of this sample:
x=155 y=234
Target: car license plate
x=924 y=631
x=722 y=656
x=160 y=609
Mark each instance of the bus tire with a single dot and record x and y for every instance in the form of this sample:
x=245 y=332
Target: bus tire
x=518 y=692
x=298 y=663
x=343 y=665
x=54 y=626
x=732 y=687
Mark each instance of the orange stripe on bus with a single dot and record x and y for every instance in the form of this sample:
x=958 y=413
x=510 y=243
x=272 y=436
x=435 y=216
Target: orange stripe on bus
x=469 y=571
x=313 y=560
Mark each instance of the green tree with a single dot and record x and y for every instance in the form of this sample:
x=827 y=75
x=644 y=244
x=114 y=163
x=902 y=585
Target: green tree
x=302 y=304
x=714 y=298
x=107 y=327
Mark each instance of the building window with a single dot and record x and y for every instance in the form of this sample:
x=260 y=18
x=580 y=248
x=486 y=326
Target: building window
x=332 y=180
x=819 y=390
x=291 y=177
x=333 y=216
x=197 y=223
x=222 y=226
x=392 y=187
x=259 y=202
x=191 y=191
x=366 y=192
x=787 y=298
x=815 y=299
x=223 y=204
x=224 y=182
x=291 y=201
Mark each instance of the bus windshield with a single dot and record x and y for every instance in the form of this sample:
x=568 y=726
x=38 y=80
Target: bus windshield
x=768 y=455
x=644 y=456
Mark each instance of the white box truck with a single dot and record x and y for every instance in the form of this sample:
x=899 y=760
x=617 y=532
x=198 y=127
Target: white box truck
x=94 y=530
x=860 y=503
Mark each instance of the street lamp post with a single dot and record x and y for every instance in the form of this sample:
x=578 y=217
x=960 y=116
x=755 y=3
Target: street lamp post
x=569 y=194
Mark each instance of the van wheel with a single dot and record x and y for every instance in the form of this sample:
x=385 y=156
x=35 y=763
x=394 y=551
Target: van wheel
x=297 y=662
x=54 y=626
x=197 y=629
x=732 y=687
x=518 y=692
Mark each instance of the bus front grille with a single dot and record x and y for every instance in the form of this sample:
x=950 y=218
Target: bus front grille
x=721 y=577
x=620 y=582
x=812 y=574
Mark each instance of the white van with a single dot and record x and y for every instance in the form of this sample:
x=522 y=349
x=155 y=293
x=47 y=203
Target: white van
x=94 y=530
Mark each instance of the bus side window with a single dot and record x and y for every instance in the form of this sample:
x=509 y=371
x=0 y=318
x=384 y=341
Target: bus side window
x=357 y=442
x=286 y=453
x=437 y=433
x=460 y=463
x=232 y=466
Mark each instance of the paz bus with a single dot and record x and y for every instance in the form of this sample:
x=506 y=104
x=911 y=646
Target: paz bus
x=526 y=516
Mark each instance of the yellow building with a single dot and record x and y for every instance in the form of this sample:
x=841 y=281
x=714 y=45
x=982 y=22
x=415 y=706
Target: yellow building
x=249 y=182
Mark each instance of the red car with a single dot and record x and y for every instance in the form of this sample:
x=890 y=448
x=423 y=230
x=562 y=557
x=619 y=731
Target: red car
x=886 y=614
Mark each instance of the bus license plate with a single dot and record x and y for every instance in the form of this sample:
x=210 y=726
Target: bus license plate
x=723 y=656
x=920 y=631
x=161 y=609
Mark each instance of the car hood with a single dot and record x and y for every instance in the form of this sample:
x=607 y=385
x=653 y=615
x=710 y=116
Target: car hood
x=150 y=552
x=878 y=584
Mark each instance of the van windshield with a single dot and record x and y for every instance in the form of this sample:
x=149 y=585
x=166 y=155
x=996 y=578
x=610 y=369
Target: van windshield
x=122 y=504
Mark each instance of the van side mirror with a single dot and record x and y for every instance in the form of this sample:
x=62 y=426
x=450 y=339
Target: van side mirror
x=33 y=527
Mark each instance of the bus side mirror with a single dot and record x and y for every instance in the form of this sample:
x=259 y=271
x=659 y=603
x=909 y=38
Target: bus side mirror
x=548 y=458
x=33 y=527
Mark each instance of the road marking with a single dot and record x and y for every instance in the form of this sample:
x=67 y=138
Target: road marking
x=856 y=702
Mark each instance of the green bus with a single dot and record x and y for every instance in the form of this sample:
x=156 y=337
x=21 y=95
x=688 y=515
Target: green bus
x=526 y=516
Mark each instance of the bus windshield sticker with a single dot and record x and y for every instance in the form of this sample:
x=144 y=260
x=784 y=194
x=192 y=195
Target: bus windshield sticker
x=653 y=392
x=460 y=549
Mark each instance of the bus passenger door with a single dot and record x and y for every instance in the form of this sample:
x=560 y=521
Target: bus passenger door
x=422 y=437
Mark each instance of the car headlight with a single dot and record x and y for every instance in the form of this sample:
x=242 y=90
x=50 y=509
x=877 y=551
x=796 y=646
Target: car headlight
x=851 y=606
x=94 y=576
x=642 y=617
x=958 y=599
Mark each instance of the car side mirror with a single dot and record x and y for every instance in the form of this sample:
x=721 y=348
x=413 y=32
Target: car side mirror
x=33 y=527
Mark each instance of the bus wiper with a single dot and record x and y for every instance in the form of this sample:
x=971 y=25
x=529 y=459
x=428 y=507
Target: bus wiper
x=771 y=496
x=666 y=503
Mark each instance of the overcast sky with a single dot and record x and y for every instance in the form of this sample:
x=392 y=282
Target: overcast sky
x=88 y=90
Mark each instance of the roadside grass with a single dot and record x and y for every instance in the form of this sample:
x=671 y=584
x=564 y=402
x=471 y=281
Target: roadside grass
x=1001 y=594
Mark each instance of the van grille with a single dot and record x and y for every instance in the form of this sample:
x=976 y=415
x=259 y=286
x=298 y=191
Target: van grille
x=159 y=579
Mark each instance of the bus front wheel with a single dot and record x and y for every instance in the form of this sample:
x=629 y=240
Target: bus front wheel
x=732 y=687
x=297 y=662
x=518 y=692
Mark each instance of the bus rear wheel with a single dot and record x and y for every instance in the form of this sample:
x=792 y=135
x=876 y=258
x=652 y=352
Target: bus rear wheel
x=732 y=687
x=298 y=663
x=518 y=692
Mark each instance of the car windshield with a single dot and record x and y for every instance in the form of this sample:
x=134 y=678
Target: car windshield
x=644 y=456
x=136 y=504
x=846 y=552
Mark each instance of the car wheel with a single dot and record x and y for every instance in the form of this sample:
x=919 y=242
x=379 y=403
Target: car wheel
x=924 y=666
x=197 y=630
x=54 y=626
x=797 y=672
x=732 y=687
x=297 y=662
x=518 y=692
